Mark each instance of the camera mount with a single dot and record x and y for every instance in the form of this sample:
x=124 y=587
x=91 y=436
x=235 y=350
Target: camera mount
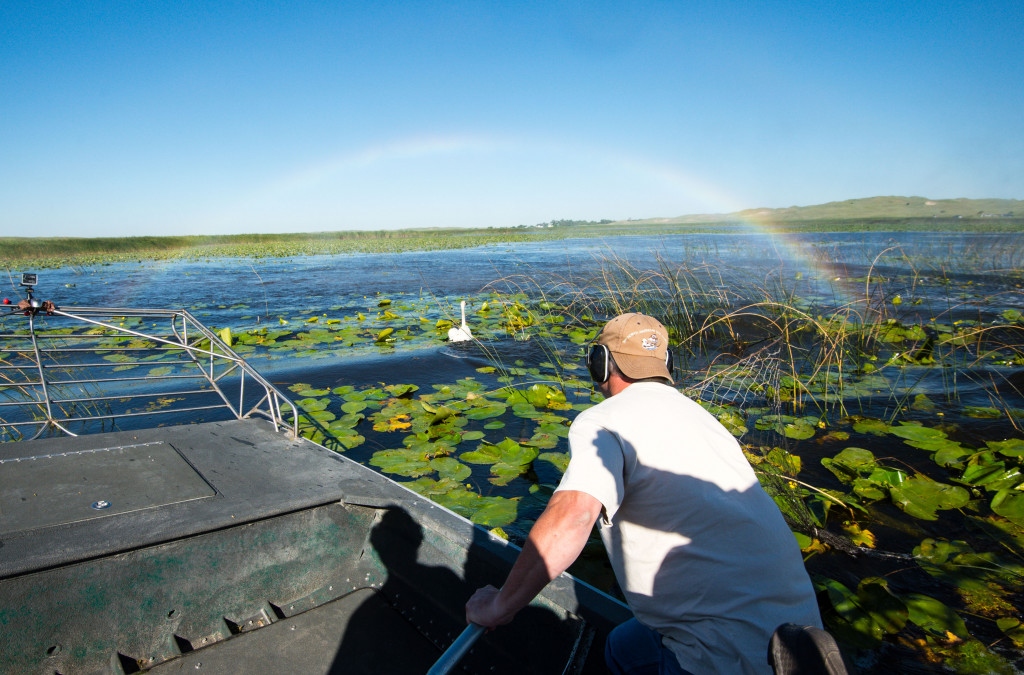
x=31 y=305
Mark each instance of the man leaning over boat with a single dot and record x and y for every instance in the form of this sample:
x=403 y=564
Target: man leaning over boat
x=704 y=557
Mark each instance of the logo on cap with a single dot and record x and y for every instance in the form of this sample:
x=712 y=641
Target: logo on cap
x=650 y=343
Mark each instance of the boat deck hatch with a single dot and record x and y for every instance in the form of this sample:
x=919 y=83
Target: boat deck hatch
x=59 y=488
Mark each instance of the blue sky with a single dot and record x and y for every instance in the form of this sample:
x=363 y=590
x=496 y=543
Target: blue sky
x=121 y=118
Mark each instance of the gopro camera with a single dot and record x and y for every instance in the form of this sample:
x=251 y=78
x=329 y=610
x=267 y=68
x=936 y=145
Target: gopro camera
x=29 y=278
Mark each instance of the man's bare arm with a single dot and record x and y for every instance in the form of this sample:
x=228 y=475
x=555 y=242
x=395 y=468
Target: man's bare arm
x=554 y=543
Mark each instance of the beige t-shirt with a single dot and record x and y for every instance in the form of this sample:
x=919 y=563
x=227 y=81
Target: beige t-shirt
x=701 y=552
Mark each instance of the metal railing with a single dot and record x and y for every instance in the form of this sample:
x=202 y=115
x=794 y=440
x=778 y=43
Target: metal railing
x=73 y=370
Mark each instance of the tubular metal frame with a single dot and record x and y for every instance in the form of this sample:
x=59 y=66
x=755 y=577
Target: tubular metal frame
x=43 y=363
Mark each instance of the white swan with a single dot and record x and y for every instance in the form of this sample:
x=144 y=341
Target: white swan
x=462 y=333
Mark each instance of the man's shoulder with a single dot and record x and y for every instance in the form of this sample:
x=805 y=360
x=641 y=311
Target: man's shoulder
x=635 y=398
x=642 y=393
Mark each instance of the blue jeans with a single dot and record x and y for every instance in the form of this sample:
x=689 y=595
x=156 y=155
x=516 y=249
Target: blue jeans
x=634 y=649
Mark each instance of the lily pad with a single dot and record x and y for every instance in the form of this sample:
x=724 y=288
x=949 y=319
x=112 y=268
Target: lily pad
x=797 y=428
x=871 y=426
x=916 y=433
x=922 y=402
x=934 y=617
x=1012 y=628
x=322 y=415
x=554 y=428
x=438 y=413
x=559 y=459
x=306 y=392
x=984 y=469
x=1009 y=503
x=354 y=406
x=734 y=422
x=350 y=441
x=431 y=488
x=539 y=396
x=495 y=512
x=863 y=618
x=448 y=467
x=921 y=497
x=1013 y=447
x=313 y=404
x=542 y=440
x=849 y=463
x=487 y=511
x=503 y=473
x=948 y=453
x=983 y=413
x=400 y=390
x=402 y=462
x=508 y=459
x=486 y=453
x=786 y=462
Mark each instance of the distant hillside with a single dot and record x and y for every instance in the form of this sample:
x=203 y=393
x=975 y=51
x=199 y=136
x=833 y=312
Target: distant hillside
x=873 y=208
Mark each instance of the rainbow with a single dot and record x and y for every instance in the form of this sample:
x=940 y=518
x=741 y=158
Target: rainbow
x=691 y=187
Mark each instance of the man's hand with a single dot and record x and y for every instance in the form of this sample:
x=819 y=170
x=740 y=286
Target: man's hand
x=555 y=540
x=485 y=608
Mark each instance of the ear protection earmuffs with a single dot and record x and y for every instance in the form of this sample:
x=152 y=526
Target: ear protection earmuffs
x=599 y=362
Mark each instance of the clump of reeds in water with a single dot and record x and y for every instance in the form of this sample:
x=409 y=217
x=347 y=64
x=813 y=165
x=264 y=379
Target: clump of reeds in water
x=786 y=346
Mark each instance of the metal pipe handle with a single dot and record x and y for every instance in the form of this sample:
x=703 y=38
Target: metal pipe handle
x=457 y=650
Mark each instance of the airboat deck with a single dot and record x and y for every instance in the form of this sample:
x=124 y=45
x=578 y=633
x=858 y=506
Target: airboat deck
x=212 y=530
x=68 y=499
x=229 y=545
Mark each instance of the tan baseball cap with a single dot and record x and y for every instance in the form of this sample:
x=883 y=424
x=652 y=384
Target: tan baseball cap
x=639 y=344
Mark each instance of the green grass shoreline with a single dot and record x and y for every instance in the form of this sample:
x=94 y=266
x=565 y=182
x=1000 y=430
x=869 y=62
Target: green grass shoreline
x=52 y=252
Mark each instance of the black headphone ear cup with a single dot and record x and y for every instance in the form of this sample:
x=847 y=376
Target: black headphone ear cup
x=669 y=361
x=597 y=364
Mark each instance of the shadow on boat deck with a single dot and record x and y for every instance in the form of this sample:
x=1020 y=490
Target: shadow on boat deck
x=400 y=627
